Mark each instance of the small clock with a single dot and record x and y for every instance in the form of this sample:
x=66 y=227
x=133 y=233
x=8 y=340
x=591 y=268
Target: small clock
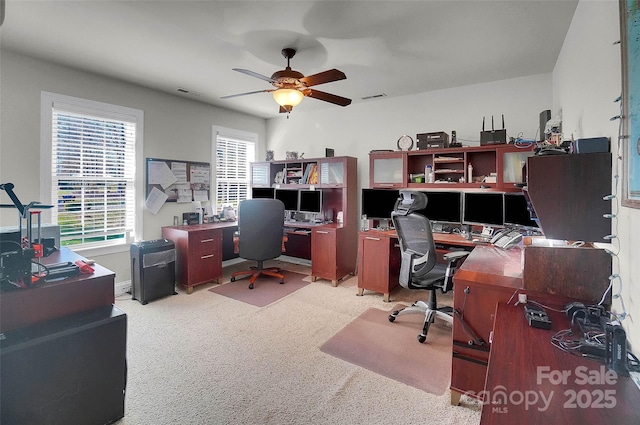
x=405 y=143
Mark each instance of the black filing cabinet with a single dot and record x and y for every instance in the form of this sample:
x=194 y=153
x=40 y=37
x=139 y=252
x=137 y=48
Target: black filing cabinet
x=153 y=269
x=69 y=370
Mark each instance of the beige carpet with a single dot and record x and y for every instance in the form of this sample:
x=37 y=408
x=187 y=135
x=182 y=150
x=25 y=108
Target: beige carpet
x=266 y=289
x=392 y=349
x=206 y=359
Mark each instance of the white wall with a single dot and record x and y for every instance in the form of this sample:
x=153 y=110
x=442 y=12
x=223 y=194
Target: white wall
x=377 y=124
x=174 y=128
x=586 y=81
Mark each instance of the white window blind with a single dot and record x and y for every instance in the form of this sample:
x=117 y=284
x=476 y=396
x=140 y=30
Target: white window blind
x=93 y=176
x=233 y=157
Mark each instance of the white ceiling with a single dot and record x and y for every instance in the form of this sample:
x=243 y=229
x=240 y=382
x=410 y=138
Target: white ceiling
x=392 y=47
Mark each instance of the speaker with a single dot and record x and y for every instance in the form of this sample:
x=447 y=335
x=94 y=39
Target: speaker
x=69 y=370
x=544 y=117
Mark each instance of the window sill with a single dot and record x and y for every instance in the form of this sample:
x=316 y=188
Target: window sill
x=90 y=252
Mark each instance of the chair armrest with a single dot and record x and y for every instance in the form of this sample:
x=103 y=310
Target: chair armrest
x=455 y=256
x=406 y=265
x=236 y=242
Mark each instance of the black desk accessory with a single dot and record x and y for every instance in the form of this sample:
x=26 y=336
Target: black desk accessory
x=493 y=137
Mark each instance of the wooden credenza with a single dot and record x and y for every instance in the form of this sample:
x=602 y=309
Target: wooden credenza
x=198 y=252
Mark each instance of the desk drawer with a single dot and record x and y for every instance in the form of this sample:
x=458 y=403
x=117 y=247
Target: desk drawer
x=204 y=242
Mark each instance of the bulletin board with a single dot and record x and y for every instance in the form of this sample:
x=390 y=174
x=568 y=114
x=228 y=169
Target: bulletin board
x=178 y=181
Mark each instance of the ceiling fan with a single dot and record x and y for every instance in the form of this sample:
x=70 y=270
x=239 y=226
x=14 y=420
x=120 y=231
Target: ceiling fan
x=292 y=86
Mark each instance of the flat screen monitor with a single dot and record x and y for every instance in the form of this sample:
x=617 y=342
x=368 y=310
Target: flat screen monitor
x=310 y=201
x=289 y=198
x=377 y=204
x=517 y=212
x=443 y=206
x=262 y=192
x=483 y=208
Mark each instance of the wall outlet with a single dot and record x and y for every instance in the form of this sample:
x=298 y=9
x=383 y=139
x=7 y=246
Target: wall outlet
x=522 y=298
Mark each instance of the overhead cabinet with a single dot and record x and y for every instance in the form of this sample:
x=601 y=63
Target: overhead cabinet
x=501 y=167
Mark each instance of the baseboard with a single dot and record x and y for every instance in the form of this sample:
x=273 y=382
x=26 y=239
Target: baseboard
x=121 y=288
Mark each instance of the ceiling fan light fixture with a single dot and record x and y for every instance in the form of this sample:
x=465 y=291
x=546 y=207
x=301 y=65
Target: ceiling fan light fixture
x=288 y=97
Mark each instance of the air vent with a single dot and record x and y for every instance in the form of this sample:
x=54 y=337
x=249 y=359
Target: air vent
x=374 y=96
x=190 y=92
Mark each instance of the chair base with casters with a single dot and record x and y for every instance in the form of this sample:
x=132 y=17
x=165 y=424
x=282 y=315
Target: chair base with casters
x=429 y=310
x=258 y=270
x=442 y=282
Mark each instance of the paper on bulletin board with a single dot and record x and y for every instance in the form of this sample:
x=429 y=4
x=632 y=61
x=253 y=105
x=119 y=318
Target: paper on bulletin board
x=159 y=173
x=199 y=174
x=155 y=200
x=179 y=169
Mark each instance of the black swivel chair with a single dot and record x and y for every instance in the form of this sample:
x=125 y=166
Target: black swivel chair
x=419 y=268
x=260 y=229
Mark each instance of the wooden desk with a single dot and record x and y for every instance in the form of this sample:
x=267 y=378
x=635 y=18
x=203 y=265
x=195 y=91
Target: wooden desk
x=517 y=352
x=489 y=275
x=50 y=300
x=379 y=258
x=198 y=252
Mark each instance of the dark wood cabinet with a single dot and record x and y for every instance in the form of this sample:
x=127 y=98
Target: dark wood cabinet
x=332 y=249
x=378 y=263
x=564 y=188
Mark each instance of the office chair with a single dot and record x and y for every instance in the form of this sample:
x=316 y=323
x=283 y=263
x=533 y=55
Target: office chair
x=419 y=268
x=260 y=229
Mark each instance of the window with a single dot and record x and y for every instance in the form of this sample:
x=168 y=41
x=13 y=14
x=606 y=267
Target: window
x=234 y=152
x=94 y=164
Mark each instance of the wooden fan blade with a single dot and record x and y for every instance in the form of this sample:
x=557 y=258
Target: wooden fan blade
x=323 y=77
x=286 y=109
x=244 y=94
x=254 y=74
x=327 y=97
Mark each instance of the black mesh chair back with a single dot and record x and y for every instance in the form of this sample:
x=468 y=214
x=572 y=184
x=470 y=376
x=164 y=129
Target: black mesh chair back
x=419 y=268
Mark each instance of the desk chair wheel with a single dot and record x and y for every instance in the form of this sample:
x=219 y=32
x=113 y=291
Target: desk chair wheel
x=392 y=316
x=251 y=286
x=233 y=279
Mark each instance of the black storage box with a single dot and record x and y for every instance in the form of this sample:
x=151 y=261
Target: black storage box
x=433 y=140
x=153 y=270
x=69 y=370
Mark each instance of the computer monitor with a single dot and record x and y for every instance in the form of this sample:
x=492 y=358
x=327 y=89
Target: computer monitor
x=517 y=212
x=289 y=198
x=310 y=201
x=443 y=206
x=483 y=208
x=377 y=204
x=262 y=192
